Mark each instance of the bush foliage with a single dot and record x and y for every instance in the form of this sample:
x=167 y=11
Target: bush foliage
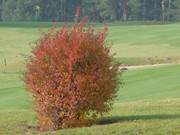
x=71 y=76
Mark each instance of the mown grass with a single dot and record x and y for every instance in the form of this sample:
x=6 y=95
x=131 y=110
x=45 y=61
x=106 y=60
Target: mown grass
x=151 y=83
x=132 y=118
x=145 y=84
x=133 y=44
x=146 y=44
x=147 y=104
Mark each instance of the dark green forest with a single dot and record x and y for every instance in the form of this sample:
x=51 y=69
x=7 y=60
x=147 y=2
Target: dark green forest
x=96 y=10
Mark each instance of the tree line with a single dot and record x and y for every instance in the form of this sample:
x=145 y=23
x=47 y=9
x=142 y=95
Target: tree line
x=97 y=10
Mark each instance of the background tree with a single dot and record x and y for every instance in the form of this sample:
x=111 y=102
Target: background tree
x=134 y=9
x=124 y=4
x=1 y=1
x=97 y=10
x=9 y=10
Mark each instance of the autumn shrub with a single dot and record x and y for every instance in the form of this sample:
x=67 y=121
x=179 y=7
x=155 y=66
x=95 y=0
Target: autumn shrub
x=71 y=76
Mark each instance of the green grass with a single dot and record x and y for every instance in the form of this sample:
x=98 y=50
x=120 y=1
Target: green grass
x=158 y=42
x=147 y=104
x=133 y=44
x=133 y=118
x=151 y=84
x=145 y=84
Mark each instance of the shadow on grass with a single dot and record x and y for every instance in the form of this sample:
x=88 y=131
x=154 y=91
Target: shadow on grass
x=116 y=119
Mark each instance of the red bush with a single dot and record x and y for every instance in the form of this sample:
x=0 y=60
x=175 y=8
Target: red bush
x=71 y=76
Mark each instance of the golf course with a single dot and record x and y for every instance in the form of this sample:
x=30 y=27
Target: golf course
x=148 y=102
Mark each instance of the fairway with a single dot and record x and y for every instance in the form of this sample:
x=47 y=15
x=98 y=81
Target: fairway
x=149 y=97
x=146 y=84
x=147 y=103
x=133 y=44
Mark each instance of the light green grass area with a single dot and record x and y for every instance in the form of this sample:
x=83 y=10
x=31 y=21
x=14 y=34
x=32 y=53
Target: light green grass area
x=148 y=103
x=133 y=44
x=146 y=44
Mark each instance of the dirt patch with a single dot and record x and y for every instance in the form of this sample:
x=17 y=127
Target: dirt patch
x=146 y=66
x=26 y=128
